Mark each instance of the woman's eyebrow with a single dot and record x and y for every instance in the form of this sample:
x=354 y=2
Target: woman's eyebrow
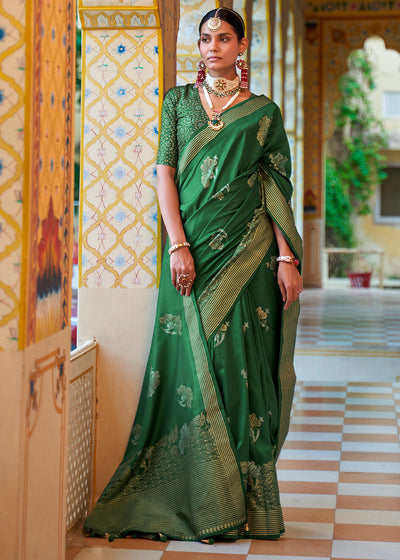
x=218 y=34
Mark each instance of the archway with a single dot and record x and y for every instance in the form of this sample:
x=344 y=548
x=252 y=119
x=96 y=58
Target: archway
x=329 y=41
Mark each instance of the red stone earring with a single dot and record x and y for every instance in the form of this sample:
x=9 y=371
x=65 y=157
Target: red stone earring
x=241 y=64
x=201 y=74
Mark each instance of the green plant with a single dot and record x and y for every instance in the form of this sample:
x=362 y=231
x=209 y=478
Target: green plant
x=354 y=164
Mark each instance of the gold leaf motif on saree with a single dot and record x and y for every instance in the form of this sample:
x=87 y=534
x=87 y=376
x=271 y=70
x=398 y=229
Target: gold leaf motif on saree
x=255 y=427
x=154 y=382
x=220 y=335
x=208 y=170
x=184 y=439
x=220 y=195
x=263 y=127
x=262 y=315
x=135 y=434
x=278 y=162
x=252 y=180
x=185 y=396
x=218 y=240
x=171 y=324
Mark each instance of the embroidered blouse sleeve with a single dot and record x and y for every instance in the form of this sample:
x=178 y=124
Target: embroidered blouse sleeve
x=168 y=145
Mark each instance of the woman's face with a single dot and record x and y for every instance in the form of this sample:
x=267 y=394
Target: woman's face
x=220 y=49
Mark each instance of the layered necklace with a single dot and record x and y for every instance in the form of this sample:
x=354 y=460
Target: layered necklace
x=220 y=87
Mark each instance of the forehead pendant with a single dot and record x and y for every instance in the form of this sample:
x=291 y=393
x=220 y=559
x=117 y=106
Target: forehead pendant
x=214 y=23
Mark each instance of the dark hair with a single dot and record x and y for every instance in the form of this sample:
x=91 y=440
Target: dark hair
x=228 y=15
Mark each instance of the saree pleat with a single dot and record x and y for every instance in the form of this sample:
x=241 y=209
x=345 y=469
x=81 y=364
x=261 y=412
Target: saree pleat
x=215 y=403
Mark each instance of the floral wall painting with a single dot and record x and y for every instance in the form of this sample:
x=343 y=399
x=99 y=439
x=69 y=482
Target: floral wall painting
x=49 y=278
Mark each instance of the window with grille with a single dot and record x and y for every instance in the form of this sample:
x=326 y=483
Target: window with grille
x=391 y=105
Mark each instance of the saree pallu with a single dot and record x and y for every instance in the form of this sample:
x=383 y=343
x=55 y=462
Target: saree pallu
x=216 y=397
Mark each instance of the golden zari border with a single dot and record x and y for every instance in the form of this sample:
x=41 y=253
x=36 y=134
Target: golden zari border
x=215 y=417
x=278 y=207
x=216 y=302
x=205 y=136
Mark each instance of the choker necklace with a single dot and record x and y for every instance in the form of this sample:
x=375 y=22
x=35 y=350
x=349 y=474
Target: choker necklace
x=215 y=123
x=221 y=87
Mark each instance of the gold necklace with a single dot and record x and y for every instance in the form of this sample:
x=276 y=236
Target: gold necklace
x=215 y=123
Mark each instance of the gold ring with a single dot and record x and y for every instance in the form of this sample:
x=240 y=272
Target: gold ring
x=184 y=280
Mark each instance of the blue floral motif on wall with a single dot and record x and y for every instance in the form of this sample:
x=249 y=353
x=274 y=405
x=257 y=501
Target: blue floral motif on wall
x=120 y=216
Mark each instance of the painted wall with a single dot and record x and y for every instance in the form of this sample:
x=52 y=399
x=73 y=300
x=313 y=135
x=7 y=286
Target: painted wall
x=37 y=41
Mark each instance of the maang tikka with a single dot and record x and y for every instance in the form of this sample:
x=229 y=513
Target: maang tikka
x=214 y=23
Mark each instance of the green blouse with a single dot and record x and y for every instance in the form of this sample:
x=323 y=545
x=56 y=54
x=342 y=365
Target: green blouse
x=182 y=116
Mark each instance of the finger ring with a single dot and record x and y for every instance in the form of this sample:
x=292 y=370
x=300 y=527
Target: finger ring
x=184 y=280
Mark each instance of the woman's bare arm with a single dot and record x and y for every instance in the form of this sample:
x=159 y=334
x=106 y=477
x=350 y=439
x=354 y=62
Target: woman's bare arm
x=181 y=260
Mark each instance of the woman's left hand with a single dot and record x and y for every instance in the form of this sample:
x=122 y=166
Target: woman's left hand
x=290 y=282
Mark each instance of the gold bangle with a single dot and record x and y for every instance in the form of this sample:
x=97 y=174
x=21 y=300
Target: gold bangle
x=288 y=259
x=178 y=246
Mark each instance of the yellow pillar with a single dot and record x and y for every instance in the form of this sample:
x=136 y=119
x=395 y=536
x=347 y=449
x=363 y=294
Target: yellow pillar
x=36 y=141
x=120 y=249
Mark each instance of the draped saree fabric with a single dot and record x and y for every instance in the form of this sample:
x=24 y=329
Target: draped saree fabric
x=216 y=397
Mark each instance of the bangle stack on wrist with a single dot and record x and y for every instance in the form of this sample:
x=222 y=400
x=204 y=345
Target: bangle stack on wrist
x=178 y=246
x=288 y=259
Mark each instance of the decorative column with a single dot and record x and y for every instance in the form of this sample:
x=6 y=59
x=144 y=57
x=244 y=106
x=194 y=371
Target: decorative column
x=191 y=12
x=37 y=80
x=120 y=225
x=260 y=69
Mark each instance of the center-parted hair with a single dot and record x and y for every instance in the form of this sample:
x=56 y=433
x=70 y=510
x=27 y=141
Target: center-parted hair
x=228 y=15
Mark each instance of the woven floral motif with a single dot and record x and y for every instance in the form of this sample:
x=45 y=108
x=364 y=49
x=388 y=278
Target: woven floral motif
x=154 y=382
x=208 y=170
x=185 y=396
x=171 y=324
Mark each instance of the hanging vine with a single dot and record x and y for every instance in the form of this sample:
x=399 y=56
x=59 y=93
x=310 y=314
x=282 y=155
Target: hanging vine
x=354 y=164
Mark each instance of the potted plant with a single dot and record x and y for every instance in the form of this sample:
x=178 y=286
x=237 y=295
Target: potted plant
x=361 y=272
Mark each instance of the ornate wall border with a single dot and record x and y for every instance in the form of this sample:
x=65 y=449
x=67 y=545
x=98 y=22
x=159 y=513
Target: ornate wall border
x=118 y=18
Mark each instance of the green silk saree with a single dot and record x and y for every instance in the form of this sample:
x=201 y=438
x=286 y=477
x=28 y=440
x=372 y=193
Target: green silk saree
x=217 y=392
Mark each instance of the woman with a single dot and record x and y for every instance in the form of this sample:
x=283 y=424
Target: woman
x=215 y=402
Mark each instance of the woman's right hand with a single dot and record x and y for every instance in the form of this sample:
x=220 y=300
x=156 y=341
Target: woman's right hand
x=182 y=265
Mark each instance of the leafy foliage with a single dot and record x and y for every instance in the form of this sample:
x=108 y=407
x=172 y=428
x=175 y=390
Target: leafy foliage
x=354 y=164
